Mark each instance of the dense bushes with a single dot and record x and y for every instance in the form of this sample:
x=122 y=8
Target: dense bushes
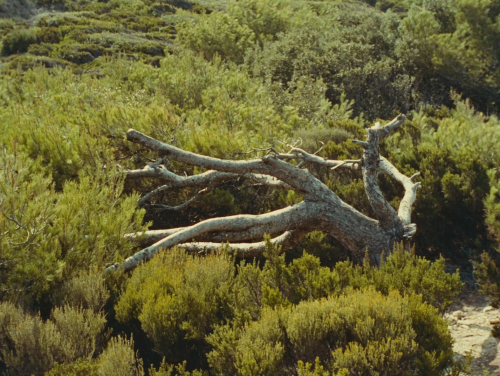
x=58 y=235
x=220 y=79
x=18 y=41
x=359 y=332
x=180 y=301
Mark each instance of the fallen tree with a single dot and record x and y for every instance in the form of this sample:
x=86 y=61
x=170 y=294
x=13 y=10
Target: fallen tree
x=321 y=209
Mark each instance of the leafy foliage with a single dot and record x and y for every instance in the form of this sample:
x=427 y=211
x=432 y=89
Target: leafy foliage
x=180 y=301
x=220 y=78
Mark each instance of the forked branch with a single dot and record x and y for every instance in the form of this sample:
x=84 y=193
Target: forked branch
x=321 y=209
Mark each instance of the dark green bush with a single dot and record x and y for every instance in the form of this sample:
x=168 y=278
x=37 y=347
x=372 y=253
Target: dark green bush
x=49 y=35
x=78 y=53
x=18 y=41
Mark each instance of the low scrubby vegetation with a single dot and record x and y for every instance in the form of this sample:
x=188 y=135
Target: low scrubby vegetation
x=220 y=78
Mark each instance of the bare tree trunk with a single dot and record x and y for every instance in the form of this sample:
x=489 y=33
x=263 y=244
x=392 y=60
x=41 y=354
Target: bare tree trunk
x=321 y=209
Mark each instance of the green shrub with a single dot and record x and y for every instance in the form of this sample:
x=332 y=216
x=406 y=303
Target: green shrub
x=168 y=370
x=178 y=299
x=47 y=237
x=77 y=53
x=408 y=274
x=360 y=331
x=77 y=368
x=217 y=34
x=351 y=49
x=444 y=147
x=488 y=277
x=87 y=291
x=32 y=346
x=48 y=35
x=42 y=49
x=18 y=41
x=118 y=359
x=265 y=18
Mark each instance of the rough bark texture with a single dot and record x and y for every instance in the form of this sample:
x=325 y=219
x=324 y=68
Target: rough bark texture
x=321 y=208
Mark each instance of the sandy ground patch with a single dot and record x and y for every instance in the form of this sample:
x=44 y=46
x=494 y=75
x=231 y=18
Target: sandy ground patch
x=471 y=320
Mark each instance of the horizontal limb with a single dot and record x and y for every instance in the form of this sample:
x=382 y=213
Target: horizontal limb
x=161 y=207
x=287 y=240
x=147 y=238
x=269 y=165
x=205 y=179
x=306 y=157
x=277 y=221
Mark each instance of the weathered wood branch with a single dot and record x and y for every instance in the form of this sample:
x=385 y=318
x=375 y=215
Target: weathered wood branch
x=277 y=221
x=321 y=209
x=385 y=213
x=208 y=178
x=255 y=166
x=404 y=212
x=305 y=157
x=287 y=240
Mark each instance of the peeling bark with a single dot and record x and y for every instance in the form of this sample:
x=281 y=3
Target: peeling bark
x=321 y=208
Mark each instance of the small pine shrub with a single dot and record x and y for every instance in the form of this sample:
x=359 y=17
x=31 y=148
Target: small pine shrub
x=178 y=299
x=360 y=331
x=217 y=34
x=18 y=41
x=488 y=277
x=42 y=49
x=58 y=235
x=87 y=291
x=169 y=370
x=120 y=359
x=32 y=346
x=407 y=273
x=77 y=368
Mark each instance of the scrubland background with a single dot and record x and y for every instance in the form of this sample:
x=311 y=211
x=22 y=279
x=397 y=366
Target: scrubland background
x=217 y=78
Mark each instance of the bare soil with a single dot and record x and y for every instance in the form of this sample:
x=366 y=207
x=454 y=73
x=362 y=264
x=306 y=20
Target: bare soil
x=471 y=320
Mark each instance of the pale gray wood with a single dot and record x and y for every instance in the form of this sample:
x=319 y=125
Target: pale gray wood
x=321 y=208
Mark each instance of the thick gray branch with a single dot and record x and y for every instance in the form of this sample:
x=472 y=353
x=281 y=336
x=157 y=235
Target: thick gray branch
x=256 y=232
x=278 y=221
x=286 y=173
x=149 y=237
x=385 y=213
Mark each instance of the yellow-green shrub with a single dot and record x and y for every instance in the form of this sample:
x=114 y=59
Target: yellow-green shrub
x=408 y=274
x=85 y=290
x=178 y=299
x=359 y=331
x=118 y=359
x=47 y=236
x=31 y=346
x=217 y=34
